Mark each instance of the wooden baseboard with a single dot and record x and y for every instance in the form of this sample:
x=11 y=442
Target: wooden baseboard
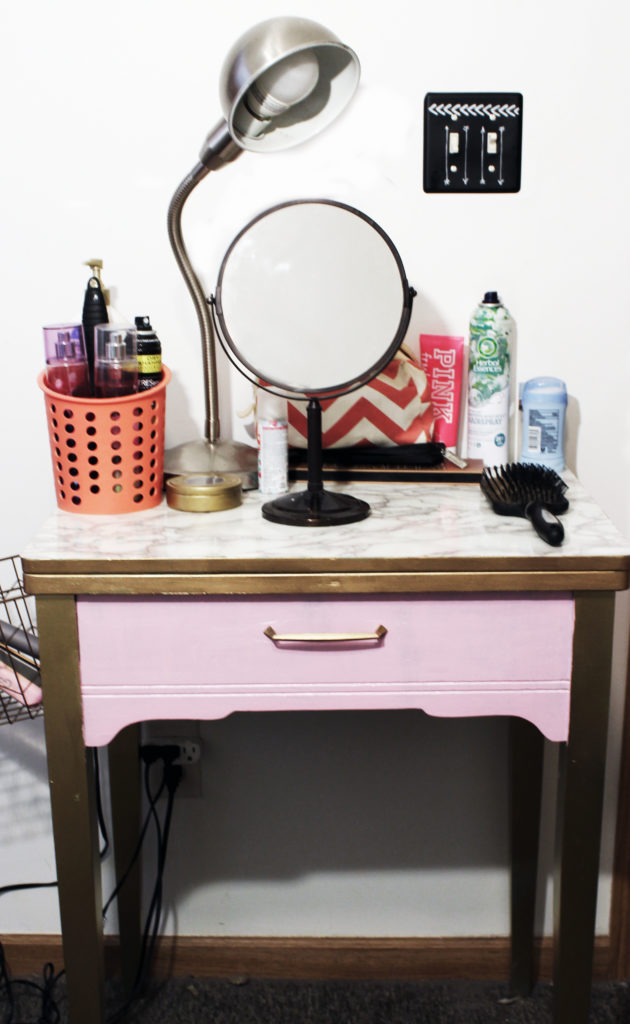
x=345 y=959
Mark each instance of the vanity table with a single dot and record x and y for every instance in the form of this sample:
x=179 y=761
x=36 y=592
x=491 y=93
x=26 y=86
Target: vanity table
x=165 y=614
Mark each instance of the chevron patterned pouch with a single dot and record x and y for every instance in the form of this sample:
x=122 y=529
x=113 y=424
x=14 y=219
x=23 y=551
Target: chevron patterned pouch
x=392 y=409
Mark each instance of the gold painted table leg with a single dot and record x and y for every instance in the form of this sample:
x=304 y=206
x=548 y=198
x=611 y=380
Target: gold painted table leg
x=526 y=770
x=70 y=771
x=580 y=802
x=125 y=790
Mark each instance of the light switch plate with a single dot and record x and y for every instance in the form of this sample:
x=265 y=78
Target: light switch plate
x=472 y=141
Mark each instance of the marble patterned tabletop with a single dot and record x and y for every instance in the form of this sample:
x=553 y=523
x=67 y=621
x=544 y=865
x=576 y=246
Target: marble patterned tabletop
x=418 y=521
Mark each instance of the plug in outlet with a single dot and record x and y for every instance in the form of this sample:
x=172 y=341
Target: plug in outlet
x=189 y=750
x=189 y=758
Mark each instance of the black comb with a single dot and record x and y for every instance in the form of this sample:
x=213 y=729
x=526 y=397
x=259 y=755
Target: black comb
x=530 y=491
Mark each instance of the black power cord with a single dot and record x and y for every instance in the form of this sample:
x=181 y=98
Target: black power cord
x=49 y=1010
x=99 y=807
x=151 y=815
x=49 y=1013
x=172 y=776
x=170 y=779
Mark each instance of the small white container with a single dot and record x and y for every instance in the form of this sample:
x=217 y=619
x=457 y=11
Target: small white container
x=273 y=446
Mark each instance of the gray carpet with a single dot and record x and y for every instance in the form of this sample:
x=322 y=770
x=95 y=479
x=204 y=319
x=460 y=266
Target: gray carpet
x=270 y=1002
x=196 y=1001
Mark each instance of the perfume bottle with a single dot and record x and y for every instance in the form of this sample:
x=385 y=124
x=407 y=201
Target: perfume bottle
x=66 y=363
x=115 y=360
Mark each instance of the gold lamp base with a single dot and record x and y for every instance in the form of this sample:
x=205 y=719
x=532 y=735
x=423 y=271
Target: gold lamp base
x=217 y=458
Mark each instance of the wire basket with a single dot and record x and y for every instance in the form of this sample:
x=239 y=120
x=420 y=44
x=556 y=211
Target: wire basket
x=20 y=684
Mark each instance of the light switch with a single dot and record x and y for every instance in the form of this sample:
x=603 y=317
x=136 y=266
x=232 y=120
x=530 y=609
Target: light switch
x=472 y=141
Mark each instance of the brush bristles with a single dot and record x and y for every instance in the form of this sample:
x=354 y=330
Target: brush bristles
x=519 y=483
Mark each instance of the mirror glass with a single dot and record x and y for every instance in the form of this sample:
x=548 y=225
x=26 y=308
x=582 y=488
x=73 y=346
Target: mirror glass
x=312 y=298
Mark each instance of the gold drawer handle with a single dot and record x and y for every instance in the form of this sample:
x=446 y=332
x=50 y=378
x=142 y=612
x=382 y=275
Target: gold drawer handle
x=323 y=638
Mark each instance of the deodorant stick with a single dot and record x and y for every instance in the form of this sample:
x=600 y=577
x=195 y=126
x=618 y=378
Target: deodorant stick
x=544 y=407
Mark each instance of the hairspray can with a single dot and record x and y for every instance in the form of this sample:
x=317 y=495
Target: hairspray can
x=149 y=354
x=489 y=374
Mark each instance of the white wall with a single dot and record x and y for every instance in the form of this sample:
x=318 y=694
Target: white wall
x=330 y=824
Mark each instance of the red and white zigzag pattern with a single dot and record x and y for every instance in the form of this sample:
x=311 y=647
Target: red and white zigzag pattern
x=394 y=408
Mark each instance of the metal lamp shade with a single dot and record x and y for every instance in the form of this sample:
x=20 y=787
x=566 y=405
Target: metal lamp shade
x=285 y=80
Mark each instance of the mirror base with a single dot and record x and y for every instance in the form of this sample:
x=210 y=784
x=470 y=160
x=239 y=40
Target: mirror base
x=315 y=508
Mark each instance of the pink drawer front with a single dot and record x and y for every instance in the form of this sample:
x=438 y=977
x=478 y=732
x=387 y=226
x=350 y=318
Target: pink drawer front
x=205 y=657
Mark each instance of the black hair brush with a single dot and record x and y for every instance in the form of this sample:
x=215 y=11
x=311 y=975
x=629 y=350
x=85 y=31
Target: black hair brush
x=530 y=491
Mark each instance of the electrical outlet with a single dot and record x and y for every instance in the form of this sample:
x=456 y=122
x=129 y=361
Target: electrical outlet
x=191 y=786
x=190 y=749
x=472 y=141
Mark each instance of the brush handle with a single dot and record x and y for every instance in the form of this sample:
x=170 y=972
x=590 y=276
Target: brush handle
x=546 y=524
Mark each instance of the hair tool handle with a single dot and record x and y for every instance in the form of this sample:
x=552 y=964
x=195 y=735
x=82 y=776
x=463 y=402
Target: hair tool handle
x=94 y=313
x=13 y=636
x=546 y=524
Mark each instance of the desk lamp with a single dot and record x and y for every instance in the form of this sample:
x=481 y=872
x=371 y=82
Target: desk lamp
x=283 y=81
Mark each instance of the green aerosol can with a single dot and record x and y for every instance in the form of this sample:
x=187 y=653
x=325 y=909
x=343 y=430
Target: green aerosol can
x=489 y=382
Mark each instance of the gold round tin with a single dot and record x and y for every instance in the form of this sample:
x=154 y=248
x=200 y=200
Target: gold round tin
x=199 y=492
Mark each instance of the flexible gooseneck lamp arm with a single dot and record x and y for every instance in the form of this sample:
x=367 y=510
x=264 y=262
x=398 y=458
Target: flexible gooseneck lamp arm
x=282 y=81
x=218 y=150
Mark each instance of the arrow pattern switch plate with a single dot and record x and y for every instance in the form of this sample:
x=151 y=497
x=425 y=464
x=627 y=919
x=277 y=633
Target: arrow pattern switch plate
x=472 y=141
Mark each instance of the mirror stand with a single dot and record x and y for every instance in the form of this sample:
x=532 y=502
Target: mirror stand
x=315 y=506
x=312 y=298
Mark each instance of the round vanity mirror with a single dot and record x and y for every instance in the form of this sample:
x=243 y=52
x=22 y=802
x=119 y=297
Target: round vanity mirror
x=312 y=301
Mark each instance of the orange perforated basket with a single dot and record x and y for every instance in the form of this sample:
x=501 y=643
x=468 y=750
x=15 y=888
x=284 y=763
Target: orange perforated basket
x=108 y=453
